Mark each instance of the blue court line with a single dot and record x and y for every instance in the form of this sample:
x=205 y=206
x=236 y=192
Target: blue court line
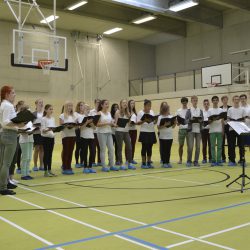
x=145 y=226
x=143 y=242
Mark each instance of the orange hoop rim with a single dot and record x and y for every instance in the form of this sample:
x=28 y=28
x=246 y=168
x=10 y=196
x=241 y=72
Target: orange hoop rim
x=43 y=62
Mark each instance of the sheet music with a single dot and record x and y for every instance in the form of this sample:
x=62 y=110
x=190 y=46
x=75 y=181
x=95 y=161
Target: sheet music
x=239 y=127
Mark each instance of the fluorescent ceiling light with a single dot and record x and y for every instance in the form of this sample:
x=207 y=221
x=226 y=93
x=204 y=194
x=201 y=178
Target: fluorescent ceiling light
x=108 y=32
x=201 y=59
x=49 y=19
x=144 y=19
x=181 y=5
x=77 y=5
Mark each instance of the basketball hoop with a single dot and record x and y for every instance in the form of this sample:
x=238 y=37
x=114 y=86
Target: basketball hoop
x=45 y=65
x=212 y=84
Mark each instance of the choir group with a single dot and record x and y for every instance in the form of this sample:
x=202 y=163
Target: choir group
x=91 y=131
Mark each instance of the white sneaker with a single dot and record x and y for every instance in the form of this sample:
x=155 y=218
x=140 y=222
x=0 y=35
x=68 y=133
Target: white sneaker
x=13 y=181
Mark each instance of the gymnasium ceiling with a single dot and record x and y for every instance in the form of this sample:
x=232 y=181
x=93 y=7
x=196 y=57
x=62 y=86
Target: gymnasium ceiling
x=100 y=15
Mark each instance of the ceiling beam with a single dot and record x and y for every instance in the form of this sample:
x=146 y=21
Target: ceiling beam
x=233 y=4
x=195 y=14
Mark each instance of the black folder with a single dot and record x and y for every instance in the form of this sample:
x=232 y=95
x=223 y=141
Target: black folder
x=57 y=129
x=196 y=119
x=24 y=116
x=122 y=122
x=69 y=125
x=205 y=123
x=170 y=121
x=222 y=115
x=181 y=120
x=149 y=118
x=237 y=120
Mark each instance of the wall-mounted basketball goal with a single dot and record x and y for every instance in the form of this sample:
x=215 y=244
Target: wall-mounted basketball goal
x=33 y=49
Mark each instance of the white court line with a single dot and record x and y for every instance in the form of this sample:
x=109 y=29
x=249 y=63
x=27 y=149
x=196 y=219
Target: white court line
x=110 y=177
x=29 y=232
x=81 y=222
x=128 y=219
x=210 y=235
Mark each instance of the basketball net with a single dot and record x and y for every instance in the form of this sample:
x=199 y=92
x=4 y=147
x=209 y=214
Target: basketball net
x=45 y=65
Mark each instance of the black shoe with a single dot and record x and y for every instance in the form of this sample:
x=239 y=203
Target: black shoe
x=7 y=192
x=11 y=186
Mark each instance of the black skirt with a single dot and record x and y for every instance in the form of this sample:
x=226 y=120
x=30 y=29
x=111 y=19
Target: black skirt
x=38 y=139
x=147 y=137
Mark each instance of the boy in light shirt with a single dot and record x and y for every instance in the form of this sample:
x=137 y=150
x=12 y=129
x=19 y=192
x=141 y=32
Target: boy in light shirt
x=216 y=130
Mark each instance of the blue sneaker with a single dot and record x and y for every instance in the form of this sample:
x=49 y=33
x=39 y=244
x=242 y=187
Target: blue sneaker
x=232 y=164
x=165 y=165
x=169 y=165
x=41 y=168
x=18 y=171
x=92 y=171
x=204 y=161
x=67 y=172
x=223 y=161
x=35 y=169
x=105 y=169
x=196 y=164
x=123 y=168
x=86 y=171
x=150 y=165
x=131 y=167
x=78 y=165
x=134 y=162
x=188 y=164
x=94 y=164
x=25 y=178
x=219 y=164
x=144 y=166
x=30 y=177
x=113 y=168
x=213 y=164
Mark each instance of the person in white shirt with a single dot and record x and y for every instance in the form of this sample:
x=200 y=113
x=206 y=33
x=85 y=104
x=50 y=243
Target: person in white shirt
x=235 y=113
x=132 y=129
x=246 y=107
x=104 y=133
x=47 y=123
x=8 y=137
x=80 y=109
x=205 y=134
x=122 y=135
x=182 y=133
x=194 y=131
x=68 y=137
x=225 y=107
x=26 y=143
x=38 y=143
x=165 y=135
x=87 y=142
x=93 y=112
x=113 y=110
x=216 y=131
x=147 y=135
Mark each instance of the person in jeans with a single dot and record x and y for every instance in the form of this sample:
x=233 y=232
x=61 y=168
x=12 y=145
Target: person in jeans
x=225 y=107
x=48 y=135
x=216 y=130
x=122 y=135
x=194 y=131
x=235 y=113
x=182 y=133
x=8 y=137
x=104 y=134
x=205 y=134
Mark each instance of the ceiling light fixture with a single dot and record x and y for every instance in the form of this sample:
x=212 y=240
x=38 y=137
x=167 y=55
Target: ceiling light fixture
x=49 y=19
x=111 y=31
x=201 y=59
x=182 y=4
x=77 y=5
x=143 y=19
x=239 y=51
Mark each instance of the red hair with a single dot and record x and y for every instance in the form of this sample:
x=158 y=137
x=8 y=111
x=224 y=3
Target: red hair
x=4 y=91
